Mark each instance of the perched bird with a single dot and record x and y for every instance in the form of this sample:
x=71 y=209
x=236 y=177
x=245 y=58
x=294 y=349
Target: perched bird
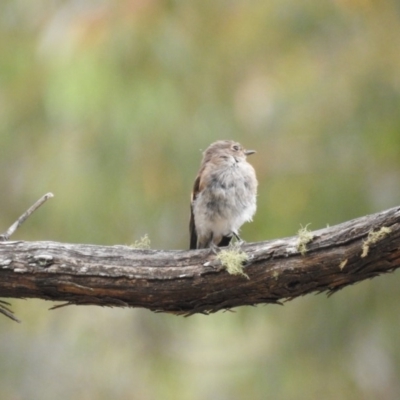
x=223 y=197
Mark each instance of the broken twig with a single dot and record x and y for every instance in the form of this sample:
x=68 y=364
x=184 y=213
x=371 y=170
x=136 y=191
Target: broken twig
x=5 y=236
x=7 y=312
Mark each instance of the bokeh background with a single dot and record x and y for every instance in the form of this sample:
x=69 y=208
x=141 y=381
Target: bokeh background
x=108 y=104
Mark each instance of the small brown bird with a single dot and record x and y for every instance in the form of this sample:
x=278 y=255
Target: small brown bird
x=223 y=197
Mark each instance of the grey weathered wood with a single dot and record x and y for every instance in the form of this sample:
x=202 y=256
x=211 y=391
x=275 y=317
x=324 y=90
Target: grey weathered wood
x=179 y=282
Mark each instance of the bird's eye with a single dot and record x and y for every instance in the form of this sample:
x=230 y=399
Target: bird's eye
x=236 y=148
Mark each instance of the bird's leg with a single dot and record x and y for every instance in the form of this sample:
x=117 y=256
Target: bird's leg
x=238 y=238
x=213 y=247
x=240 y=243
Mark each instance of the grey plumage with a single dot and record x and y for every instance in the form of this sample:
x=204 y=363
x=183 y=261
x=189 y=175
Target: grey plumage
x=224 y=195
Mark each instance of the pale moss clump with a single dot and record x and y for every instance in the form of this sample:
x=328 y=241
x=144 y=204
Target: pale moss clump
x=142 y=244
x=374 y=237
x=305 y=237
x=232 y=259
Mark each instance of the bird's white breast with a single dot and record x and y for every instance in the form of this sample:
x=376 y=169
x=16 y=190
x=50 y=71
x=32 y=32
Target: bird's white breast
x=227 y=201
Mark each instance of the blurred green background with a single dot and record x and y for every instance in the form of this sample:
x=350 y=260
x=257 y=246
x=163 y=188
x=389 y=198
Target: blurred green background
x=108 y=104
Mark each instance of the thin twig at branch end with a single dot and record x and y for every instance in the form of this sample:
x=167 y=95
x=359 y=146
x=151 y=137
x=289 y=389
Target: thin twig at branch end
x=6 y=236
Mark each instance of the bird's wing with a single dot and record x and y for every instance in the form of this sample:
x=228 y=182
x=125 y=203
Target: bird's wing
x=192 y=226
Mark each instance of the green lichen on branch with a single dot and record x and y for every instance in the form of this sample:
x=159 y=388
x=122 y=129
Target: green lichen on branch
x=304 y=237
x=142 y=244
x=232 y=259
x=374 y=237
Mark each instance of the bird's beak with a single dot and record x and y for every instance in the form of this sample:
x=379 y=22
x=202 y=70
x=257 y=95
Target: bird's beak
x=249 y=152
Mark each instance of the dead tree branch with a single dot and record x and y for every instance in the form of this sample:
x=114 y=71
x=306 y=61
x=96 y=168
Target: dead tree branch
x=183 y=282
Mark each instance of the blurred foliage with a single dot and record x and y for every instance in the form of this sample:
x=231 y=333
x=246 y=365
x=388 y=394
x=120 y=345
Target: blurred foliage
x=108 y=103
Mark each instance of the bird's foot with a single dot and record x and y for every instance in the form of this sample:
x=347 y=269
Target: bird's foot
x=214 y=248
x=214 y=263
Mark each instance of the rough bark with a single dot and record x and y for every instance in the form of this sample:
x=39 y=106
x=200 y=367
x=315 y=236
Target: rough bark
x=182 y=282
